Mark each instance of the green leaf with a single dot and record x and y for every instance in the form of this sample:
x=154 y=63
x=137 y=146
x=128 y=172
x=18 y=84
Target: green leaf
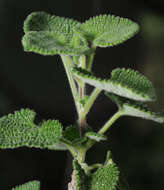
x=80 y=177
x=19 y=129
x=49 y=35
x=123 y=82
x=72 y=137
x=95 y=136
x=135 y=108
x=42 y=21
x=104 y=178
x=108 y=30
x=32 y=185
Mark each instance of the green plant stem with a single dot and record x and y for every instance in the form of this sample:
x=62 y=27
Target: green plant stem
x=91 y=57
x=66 y=62
x=71 y=149
x=110 y=122
x=81 y=85
x=91 y=100
x=91 y=142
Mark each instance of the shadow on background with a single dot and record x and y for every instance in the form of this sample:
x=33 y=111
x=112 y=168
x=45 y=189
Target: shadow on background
x=39 y=82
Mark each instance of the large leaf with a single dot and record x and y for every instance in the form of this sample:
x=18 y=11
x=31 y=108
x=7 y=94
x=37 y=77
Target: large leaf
x=49 y=35
x=32 y=185
x=19 y=129
x=124 y=82
x=108 y=30
x=135 y=108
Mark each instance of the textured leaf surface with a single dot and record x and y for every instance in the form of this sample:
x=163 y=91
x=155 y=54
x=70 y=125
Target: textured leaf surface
x=32 y=185
x=19 y=129
x=135 y=108
x=105 y=178
x=95 y=136
x=108 y=30
x=71 y=136
x=80 y=177
x=123 y=82
x=42 y=21
x=49 y=35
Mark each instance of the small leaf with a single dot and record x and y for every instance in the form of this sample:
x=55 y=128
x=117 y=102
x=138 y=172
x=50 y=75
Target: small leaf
x=80 y=177
x=108 y=30
x=71 y=136
x=95 y=136
x=71 y=133
x=32 y=185
x=123 y=82
x=135 y=108
x=49 y=35
x=105 y=178
x=19 y=129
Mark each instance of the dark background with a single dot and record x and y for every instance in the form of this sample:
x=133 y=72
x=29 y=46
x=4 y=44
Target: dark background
x=39 y=82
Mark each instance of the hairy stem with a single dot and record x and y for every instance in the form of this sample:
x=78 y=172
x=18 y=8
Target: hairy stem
x=110 y=122
x=66 y=62
x=82 y=119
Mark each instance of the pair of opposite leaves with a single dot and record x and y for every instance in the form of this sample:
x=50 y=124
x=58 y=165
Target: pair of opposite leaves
x=49 y=35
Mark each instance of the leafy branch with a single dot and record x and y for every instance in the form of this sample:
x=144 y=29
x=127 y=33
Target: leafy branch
x=76 y=43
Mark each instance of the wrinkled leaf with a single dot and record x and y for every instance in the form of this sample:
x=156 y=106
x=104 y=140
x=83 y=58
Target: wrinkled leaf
x=123 y=82
x=49 y=35
x=19 y=129
x=108 y=30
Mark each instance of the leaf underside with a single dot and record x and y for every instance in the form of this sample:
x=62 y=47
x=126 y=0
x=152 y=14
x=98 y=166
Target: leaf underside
x=49 y=35
x=108 y=30
x=135 y=108
x=19 y=129
x=95 y=136
x=32 y=185
x=123 y=82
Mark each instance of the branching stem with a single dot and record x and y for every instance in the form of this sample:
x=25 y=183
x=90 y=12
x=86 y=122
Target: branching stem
x=91 y=100
x=67 y=62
